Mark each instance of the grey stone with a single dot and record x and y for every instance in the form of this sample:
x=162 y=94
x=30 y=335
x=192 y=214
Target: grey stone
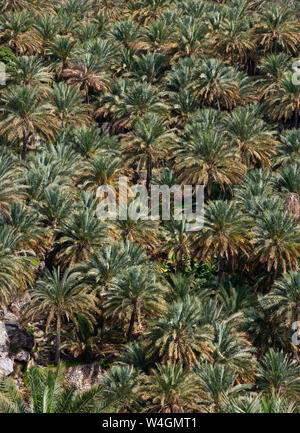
x=22 y=355
x=6 y=367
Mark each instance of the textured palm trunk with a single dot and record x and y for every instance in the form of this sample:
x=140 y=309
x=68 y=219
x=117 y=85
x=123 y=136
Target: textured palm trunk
x=296 y=119
x=132 y=321
x=25 y=144
x=87 y=96
x=58 y=339
x=220 y=271
x=149 y=172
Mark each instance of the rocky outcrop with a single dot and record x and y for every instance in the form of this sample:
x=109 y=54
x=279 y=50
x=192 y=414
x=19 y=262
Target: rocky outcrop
x=6 y=363
x=21 y=342
x=84 y=376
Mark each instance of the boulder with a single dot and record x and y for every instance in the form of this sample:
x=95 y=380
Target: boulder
x=6 y=364
x=19 y=338
x=84 y=376
x=6 y=367
x=22 y=355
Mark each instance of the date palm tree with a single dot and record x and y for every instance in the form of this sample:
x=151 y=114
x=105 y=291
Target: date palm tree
x=11 y=183
x=118 y=390
x=15 y=28
x=134 y=294
x=233 y=40
x=47 y=393
x=79 y=234
x=278 y=374
x=149 y=139
x=30 y=71
x=206 y=157
x=67 y=104
x=224 y=235
x=221 y=86
x=88 y=72
x=15 y=272
x=170 y=389
x=128 y=100
x=284 y=102
x=254 y=137
x=285 y=297
x=58 y=297
x=216 y=382
x=179 y=336
x=277 y=29
x=24 y=114
x=276 y=241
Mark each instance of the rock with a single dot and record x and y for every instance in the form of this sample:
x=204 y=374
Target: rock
x=6 y=367
x=84 y=376
x=22 y=355
x=19 y=338
x=6 y=364
x=3 y=338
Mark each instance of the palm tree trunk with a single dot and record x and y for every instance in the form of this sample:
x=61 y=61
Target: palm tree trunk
x=58 y=339
x=149 y=172
x=132 y=320
x=220 y=270
x=232 y=56
x=296 y=119
x=25 y=144
x=87 y=97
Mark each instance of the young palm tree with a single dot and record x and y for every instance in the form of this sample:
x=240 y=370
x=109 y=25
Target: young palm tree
x=30 y=71
x=24 y=115
x=15 y=272
x=169 y=389
x=225 y=235
x=126 y=32
x=61 y=49
x=279 y=374
x=259 y=404
x=273 y=68
x=47 y=393
x=289 y=148
x=15 y=28
x=284 y=102
x=118 y=390
x=276 y=241
x=254 y=137
x=67 y=104
x=12 y=189
x=233 y=349
x=217 y=382
x=88 y=72
x=221 y=86
x=129 y=100
x=59 y=296
x=285 y=297
x=99 y=170
x=134 y=294
x=178 y=336
x=149 y=139
x=205 y=158
x=81 y=232
x=233 y=40
x=190 y=37
x=277 y=29
x=178 y=242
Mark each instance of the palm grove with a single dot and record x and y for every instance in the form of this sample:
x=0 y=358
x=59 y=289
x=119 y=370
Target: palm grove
x=172 y=92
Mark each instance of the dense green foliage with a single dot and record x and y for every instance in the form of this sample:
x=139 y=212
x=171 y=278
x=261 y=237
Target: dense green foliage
x=163 y=92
